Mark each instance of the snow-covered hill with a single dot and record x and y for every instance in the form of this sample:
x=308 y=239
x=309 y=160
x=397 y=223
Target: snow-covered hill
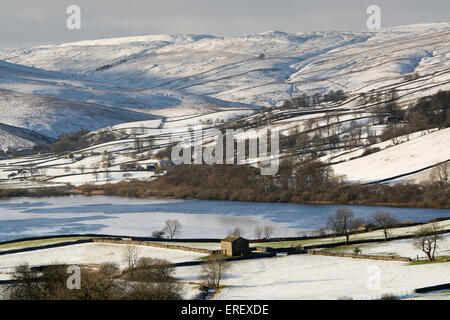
x=50 y=103
x=49 y=90
x=261 y=69
x=47 y=118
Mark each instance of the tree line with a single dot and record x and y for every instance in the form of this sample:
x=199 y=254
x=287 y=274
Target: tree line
x=344 y=223
x=308 y=181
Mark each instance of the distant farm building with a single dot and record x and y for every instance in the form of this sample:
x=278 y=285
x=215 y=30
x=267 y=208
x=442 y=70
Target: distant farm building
x=128 y=166
x=234 y=246
x=134 y=166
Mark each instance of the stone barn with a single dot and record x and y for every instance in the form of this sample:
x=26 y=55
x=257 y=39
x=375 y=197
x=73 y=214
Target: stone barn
x=234 y=246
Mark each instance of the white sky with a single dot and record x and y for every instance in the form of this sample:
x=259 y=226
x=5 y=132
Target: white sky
x=26 y=23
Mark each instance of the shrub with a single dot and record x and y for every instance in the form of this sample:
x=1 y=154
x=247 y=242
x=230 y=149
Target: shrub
x=370 y=151
x=389 y=296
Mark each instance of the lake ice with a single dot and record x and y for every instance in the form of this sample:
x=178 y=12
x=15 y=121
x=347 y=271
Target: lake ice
x=29 y=217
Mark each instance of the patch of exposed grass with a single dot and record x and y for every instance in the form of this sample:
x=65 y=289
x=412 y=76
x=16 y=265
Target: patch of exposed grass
x=212 y=257
x=440 y=259
x=309 y=242
x=347 y=248
x=39 y=242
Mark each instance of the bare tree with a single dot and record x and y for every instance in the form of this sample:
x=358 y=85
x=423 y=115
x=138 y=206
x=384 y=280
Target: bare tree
x=33 y=171
x=142 y=129
x=106 y=156
x=344 y=223
x=95 y=174
x=107 y=175
x=328 y=117
x=258 y=233
x=172 y=228
x=372 y=136
x=150 y=143
x=138 y=143
x=309 y=124
x=237 y=232
x=109 y=269
x=131 y=257
x=214 y=271
x=82 y=168
x=427 y=240
x=440 y=173
x=268 y=231
x=384 y=220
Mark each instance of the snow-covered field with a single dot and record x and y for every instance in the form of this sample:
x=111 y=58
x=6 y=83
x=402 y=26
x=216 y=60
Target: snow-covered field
x=282 y=277
x=90 y=253
x=197 y=245
x=404 y=158
x=319 y=277
x=149 y=87
x=401 y=248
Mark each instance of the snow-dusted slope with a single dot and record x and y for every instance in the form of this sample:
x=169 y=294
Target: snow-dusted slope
x=50 y=103
x=398 y=160
x=11 y=136
x=261 y=69
x=51 y=116
x=39 y=82
x=61 y=88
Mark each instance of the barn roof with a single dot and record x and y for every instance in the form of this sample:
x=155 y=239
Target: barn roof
x=232 y=239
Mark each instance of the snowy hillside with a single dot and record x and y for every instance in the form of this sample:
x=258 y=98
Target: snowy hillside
x=402 y=159
x=165 y=83
x=51 y=103
x=261 y=69
x=51 y=116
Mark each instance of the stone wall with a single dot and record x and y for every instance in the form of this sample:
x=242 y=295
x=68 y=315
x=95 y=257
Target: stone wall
x=158 y=245
x=357 y=256
x=227 y=248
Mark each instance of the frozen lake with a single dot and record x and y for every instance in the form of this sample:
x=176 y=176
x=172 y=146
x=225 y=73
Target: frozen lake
x=28 y=217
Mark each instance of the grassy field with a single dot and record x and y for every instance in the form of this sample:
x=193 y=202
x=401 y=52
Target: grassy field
x=439 y=259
